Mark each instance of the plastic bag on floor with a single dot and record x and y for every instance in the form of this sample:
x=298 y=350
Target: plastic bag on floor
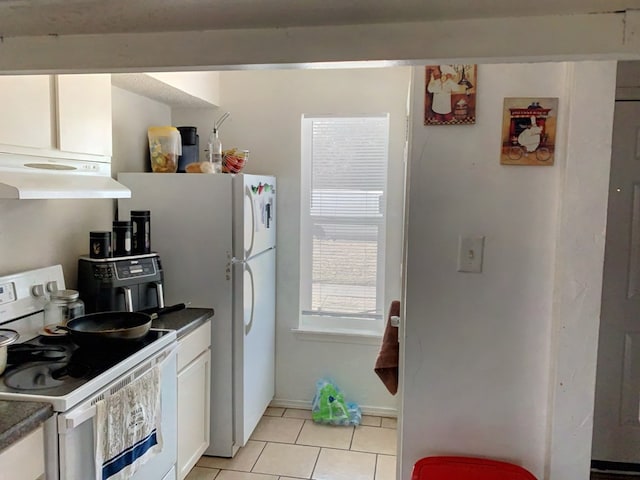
x=330 y=408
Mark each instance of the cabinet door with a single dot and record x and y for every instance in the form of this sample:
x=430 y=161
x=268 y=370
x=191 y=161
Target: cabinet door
x=84 y=114
x=26 y=113
x=193 y=412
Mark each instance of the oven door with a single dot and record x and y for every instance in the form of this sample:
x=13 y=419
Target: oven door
x=76 y=436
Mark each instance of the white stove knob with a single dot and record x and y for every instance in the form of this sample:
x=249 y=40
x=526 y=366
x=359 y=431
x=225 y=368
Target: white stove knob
x=37 y=290
x=52 y=286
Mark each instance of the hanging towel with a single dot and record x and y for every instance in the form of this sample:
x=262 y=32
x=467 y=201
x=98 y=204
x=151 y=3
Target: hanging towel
x=387 y=362
x=127 y=427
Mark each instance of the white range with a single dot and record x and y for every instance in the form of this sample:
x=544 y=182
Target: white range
x=73 y=379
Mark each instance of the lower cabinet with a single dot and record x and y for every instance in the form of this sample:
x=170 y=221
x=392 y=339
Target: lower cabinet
x=194 y=370
x=24 y=460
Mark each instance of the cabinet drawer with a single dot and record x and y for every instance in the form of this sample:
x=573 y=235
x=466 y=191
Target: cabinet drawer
x=193 y=345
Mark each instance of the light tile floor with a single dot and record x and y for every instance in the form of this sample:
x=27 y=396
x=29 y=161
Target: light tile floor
x=287 y=445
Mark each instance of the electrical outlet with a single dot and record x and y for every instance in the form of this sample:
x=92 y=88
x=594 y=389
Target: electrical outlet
x=470 y=253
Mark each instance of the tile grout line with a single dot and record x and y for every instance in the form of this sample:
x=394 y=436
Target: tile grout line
x=315 y=464
x=319 y=452
x=295 y=442
x=258 y=457
x=353 y=434
x=375 y=467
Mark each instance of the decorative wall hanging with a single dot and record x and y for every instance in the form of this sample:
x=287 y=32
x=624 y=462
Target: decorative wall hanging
x=450 y=94
x=529 y=131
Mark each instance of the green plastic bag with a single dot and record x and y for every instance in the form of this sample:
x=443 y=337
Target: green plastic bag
x=329 y=406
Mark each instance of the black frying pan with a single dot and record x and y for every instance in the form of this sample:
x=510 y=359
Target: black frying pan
x=107 y=328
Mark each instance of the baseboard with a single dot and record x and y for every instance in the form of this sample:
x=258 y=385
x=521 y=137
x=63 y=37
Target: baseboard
x=615 y=467
x=306 y=405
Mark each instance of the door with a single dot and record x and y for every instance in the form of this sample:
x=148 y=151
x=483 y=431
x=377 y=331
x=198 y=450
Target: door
x=193 y=411
x=257 y=227
x=616 y=435
x=84 y=114
x=26 y=117
x=254 y=341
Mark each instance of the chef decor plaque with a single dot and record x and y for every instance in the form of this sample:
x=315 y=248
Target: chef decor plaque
x=450 y=94
x=529 y=131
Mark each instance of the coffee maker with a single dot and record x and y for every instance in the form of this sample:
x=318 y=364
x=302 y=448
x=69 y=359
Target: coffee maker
x=190 y=147
x=131 y=283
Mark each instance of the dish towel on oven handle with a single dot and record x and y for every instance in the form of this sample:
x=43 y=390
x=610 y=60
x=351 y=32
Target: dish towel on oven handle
x=127 y=427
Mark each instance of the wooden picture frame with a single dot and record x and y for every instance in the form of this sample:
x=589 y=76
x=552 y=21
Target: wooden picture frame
x=450 y=94
x=529 y=131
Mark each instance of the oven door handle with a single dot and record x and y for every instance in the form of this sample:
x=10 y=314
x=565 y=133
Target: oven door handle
x=75 y=418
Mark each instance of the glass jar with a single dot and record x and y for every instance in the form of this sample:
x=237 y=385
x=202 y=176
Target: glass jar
x=122 y=238
x=141 y=233
x=63 y=305
x=99 y=244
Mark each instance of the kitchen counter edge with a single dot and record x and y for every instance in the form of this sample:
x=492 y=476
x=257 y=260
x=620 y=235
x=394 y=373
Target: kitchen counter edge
x=18 y=418
x=183 y=321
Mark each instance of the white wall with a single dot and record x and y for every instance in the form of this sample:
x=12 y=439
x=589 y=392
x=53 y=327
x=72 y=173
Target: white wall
x=38 y=233
x=479 y=347
x=132 y=115
x=579 y=264
x=204 y=85
x=266 y=109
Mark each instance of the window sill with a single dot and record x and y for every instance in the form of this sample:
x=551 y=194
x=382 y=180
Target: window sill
x=362 y=337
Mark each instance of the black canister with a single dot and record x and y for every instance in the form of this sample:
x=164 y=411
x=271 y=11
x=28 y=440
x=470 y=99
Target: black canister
x=99 y=244
x=121 y=238
x=188 y=135
x=141 y=224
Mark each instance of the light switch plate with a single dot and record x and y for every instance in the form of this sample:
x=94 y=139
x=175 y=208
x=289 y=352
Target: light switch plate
x=470 y=253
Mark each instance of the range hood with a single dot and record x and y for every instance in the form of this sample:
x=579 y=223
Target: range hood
x=29 y=177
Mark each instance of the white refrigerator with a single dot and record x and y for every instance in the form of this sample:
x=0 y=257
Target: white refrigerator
x=216 y=236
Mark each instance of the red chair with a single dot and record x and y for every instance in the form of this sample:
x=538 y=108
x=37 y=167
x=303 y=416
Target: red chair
x=467 y=468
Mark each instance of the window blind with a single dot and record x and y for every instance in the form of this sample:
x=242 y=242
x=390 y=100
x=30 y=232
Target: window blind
x=348 y=159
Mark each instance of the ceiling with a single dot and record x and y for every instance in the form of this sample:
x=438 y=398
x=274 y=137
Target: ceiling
x=67 y=17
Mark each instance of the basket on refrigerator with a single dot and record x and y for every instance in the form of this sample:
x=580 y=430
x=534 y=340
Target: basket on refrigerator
x=234 y=161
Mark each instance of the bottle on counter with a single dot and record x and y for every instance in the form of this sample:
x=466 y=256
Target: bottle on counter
x=215 y=151
x=214 y=155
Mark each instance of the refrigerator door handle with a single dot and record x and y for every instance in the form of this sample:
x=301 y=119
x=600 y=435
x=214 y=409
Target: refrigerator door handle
x=247 y=253
x=248 y=326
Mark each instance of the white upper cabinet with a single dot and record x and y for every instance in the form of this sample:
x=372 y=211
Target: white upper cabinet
x=84 y=114
x=63 y=116
x=26 y=116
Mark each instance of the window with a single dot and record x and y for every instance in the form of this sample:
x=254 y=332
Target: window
x=344 y=181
